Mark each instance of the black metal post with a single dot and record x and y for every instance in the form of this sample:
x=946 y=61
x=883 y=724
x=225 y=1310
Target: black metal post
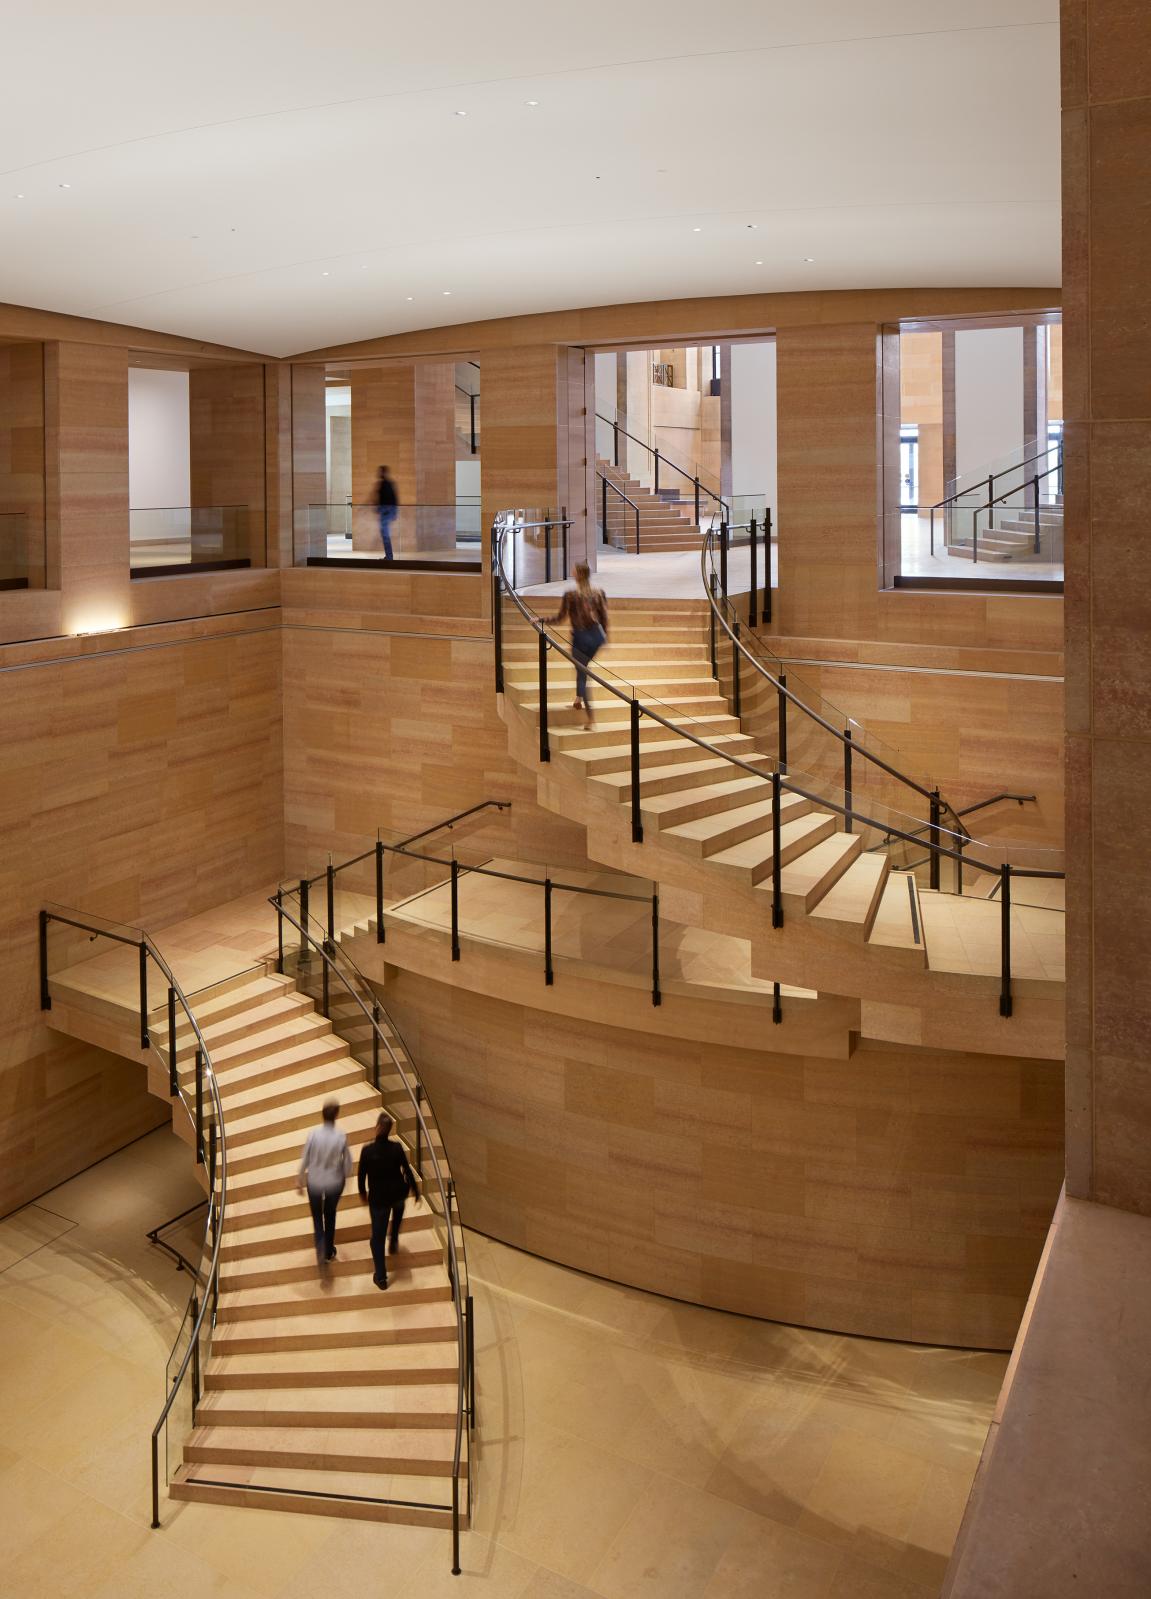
x=455 y=909
x=199 y=1107
x=637 y=550
x=959 y=866
x=615 y=443
x=776 y=1004
x=932 y=545
x=545 y=747
x=45 y=996
x=497 y=612
x=711 y=625
x=456 y=1568
x=636 y=815
x=470 y=1326
x=603 y=516
x=195 y=1311
x=753 y=595
x=211 y=1154
x=847 y=821
x=173 y=1073
x=776 y=852
x=381 y=935
x=155 y=1481
x=376 y=1047
x=1005 y=1006
x=325 y=980
x=765 y=610
x=564 y=532
x=723 y=560
x=549 y=974
x=656 y=994
x=735 y=705
x=696 y=480
x=331 y=887
x=419 y=1131
x=280 y=930
x=145 y=1041
x=656 y=453
x=304 y=890
x=1035 y=498
x=547 y=552
x=934 y=872
x=472 y=408
x=781 y=715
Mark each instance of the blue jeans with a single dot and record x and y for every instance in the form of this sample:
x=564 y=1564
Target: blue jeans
x=586 y=641
x=387 y=517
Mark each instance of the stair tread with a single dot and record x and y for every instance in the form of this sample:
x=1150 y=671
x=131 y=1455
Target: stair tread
x=893 y=927
x=304 y=1490
x=759 y=848
x=381 y=1314
x=356 y=1367
x=337 y=1405
x=661 y=804
x=308 y=1292
x=687 y=769
x=705 y=827
x=851 y=898
x=807 y=871
x=344 y=1445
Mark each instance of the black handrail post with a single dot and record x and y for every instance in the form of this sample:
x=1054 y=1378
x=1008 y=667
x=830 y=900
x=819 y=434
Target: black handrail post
x=331 y=887
x=603 y=511
x=470 y=1329
x=455 y=909
x=376 y=1047
x=280 y=930
x=723 y=560
x=656 y=454
x=497 y=611
x=766 y=608
x=637 y=551
x=420 y=1132
x=472 y=408
x=45 y=996
x=959 y=865
x=547 y=552
x=782 y=720
x=199 y=1107
x=545 y=747
x=549 y=974
x=932 y=545
x=753 y=596
x=935 y=838
x=636 y=814
x=1035 y=497
x=173 y=1074
x=656 y=993
x=304 y=890
x=195 y=1310
x=776 y=1004
x=381 y=935
x=711 y=578
x=696 y=481
x=847 y=822
x=456 y=1568
x=776 y=851
x=735 y=702
x=155 y=1481
x=1005 y=1005
x=615 y=443
x=211 y=1154
x=145 y=1041
x=564 y=528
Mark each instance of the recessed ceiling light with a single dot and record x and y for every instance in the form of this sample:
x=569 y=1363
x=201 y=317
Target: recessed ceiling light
x=461 y=113
x=19 y=197
x=411 y=296
x=697 y=230
x=809 y=259
x=63 y=185
x=532 y=102
x=759 y=263
x=753 y=225
x=325 y=274
x=446 y=291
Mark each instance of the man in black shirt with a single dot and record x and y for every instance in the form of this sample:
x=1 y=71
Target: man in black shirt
x=385 y=1180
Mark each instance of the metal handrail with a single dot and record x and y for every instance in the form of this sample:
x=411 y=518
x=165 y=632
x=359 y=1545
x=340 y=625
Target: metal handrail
x=775 y=776
x=1040 y=455
x=499 y=805
x=693 y=478
x=608 y=484
x=214 y=1221
x=326 y=949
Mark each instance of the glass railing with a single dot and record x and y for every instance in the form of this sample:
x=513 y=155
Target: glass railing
x=167 y=541
x=415 y=535
x=673 y=480
x=21 y=550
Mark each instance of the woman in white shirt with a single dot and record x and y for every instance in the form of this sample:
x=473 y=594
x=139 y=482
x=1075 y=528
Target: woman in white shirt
x=325 y=1167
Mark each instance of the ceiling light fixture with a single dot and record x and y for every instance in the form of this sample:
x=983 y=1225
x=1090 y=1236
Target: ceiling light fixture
x=445 y=291
x=19 y=197
x=753 y=225
x=461 y=113
x=411 y=297
x=697 y=230
x=759 y=263
x=63 y=185
x=809 y=259
x=532 y=102
x=325 y=274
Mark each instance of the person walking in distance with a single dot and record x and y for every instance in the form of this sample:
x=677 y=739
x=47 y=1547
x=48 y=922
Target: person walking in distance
x=387 y=503
x=325 y=1167
x=585 y=610
x=385 y=1180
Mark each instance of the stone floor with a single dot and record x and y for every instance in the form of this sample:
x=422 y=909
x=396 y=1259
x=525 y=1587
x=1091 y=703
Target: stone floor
x=629 y=1445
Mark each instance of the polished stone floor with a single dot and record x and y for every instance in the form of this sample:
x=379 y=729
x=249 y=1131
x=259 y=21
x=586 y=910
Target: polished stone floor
x=628 y=1445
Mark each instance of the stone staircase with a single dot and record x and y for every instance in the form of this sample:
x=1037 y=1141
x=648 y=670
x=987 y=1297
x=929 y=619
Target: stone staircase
x=322 y=1395
x=665 y=522
x=1012 y=536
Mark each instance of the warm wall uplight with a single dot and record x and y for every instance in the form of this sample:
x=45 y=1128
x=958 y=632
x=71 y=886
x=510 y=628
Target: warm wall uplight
x=91 y=622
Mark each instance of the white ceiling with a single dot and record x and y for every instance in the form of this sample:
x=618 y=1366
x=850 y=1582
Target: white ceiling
x=291 y=175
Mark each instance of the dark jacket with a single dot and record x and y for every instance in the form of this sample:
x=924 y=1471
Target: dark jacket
x=386 y=492
x=384 y=1175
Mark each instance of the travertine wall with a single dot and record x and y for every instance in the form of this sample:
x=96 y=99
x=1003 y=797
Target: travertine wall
x=900 y=1193
x=1107 y=410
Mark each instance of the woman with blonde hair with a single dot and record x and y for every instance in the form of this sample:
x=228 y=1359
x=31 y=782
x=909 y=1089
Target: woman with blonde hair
x=585 y=610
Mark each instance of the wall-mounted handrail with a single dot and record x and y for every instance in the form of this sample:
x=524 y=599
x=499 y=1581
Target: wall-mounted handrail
x=372 y=1011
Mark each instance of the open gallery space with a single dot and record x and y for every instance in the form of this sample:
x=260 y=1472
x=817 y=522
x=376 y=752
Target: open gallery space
x=573 y=730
